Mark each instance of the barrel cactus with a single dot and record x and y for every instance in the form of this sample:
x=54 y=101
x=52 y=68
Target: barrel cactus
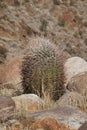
x=42 y=70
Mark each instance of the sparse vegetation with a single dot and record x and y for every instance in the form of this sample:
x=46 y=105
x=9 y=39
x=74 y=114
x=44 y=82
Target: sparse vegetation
x=26 y=0
x=56 y=2
x=85 y=41
x=72 y=2
x=1 y=0
x=17 y=3
x=29 y=31
x=43 y=27
x=61 y=22
x=3 y=54
x=85 y=23
x=3 y=4
x=3 y=51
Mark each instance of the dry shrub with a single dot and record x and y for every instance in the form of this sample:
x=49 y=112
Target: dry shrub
x=3 y=54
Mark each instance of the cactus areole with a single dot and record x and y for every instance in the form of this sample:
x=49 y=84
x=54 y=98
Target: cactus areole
x=42 y=71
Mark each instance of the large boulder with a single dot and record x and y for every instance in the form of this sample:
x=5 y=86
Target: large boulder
x=28 y=103
x=74 y=66
x=40 y=124
x=76 y=77
x=78 y=83
x=7 y=107
x=61 y=118
x=71 y=98
x=68 y=115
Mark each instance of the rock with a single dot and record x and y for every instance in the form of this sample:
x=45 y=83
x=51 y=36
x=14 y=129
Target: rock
x=7 y=107
x=83 y=127
x=48 y=123
x=71 y=98
x=78 y=83
x=62 y=118
x=28 y=103
x=74 y=66
x=10 y=77
x=68 y=115
x=76 y=77
x=40 y=124
x=13 y=70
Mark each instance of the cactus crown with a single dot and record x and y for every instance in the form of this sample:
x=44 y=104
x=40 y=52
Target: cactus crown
x=42 y=71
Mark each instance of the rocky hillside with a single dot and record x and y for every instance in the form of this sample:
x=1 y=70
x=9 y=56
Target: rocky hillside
x=62 y=21
x=43 y=64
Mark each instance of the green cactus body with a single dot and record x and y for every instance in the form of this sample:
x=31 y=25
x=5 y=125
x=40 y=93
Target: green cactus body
x=42 y=71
